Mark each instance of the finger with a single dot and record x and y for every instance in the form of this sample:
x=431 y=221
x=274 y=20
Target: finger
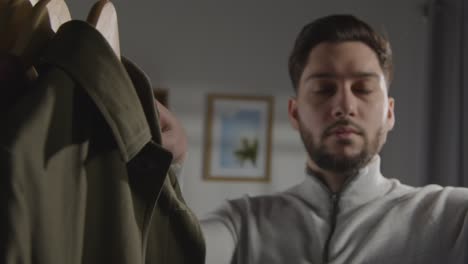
x=165 y=118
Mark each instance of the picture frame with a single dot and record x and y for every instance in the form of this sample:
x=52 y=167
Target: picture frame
x=238 y=137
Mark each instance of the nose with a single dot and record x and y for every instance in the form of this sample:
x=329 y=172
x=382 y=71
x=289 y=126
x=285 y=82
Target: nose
x=344 y=103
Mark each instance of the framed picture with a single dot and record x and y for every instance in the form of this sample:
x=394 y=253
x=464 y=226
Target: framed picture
x=238 y=138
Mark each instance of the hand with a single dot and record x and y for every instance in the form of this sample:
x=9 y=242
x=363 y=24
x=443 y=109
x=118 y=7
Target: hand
x=174 y=138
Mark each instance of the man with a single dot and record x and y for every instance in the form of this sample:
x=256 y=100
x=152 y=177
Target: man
x=345 y=211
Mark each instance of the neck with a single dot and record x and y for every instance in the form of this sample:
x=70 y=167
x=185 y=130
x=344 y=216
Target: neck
x=335 y=181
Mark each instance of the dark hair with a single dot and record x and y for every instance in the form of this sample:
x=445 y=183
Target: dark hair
x=337 y=28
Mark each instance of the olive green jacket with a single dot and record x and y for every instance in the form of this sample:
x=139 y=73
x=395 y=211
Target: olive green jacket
x=84 y=178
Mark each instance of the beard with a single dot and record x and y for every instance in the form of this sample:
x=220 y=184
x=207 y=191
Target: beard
x=341 y=164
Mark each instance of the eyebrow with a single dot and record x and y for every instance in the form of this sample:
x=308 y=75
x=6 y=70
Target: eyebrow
x=329 y=75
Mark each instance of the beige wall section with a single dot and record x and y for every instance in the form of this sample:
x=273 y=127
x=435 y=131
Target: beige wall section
x=194 y=47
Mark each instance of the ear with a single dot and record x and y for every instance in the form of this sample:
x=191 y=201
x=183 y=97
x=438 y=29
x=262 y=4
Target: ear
x=293 y=113
x=390 y=113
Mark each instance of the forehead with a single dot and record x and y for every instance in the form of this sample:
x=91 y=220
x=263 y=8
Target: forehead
x=342 y=58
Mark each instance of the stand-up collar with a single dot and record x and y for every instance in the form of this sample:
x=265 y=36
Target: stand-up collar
x=83 y=53
x=366 y=186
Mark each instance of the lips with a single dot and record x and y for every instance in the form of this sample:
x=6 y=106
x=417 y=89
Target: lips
x=344 y=130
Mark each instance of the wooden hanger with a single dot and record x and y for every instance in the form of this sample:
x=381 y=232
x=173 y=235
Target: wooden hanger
x=35 y=26
x=58 y=13
x=104 y=17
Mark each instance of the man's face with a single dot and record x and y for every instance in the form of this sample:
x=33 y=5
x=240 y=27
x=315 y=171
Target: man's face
x=342 y=110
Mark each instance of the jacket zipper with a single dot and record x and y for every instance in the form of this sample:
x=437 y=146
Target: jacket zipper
x=335 y=199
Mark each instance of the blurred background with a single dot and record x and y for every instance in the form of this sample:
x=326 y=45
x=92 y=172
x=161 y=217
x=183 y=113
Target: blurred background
x=192 y=48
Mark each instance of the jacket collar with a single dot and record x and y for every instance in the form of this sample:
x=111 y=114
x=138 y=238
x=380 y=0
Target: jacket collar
x=145 y=94
x=82 y=52
x=367 y=185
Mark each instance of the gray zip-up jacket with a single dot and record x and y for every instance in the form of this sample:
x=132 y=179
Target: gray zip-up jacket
x=373 y=220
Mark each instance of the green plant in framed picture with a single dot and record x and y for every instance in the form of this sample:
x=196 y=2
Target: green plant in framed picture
x=238 y=137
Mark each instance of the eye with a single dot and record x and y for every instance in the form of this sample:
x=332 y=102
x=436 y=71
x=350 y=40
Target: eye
x=361 y=90
x=363 y=87
x=324 y=88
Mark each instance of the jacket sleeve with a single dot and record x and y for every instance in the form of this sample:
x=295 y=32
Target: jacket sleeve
x=220 y=244
x=220 y=234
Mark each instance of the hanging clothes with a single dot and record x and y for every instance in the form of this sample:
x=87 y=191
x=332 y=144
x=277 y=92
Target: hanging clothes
x=12 y=73
x=175 y=235
x=84 y=175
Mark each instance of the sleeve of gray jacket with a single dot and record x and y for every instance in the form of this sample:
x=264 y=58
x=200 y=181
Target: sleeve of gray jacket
x=219 y=230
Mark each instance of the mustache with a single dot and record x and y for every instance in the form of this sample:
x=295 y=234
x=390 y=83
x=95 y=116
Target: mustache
x=343 y=123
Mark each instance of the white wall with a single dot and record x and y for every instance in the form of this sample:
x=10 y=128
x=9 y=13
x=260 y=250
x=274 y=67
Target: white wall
x=196 y=47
